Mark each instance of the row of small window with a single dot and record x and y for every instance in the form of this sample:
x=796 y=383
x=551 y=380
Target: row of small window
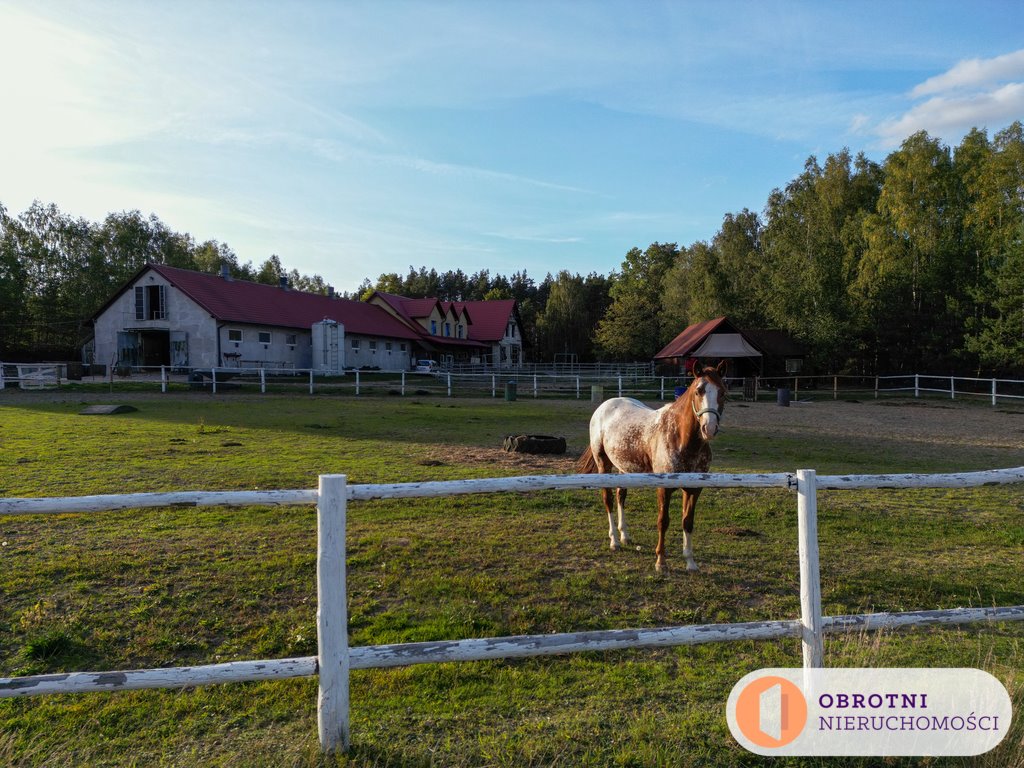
x=371 y=344
x=447 y=329
x=263 y=337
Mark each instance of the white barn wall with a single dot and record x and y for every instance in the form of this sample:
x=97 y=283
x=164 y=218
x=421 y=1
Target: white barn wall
x=278 y=353
x=183 y=314
x=364 y=356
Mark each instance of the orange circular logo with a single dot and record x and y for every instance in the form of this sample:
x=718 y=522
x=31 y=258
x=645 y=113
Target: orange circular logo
x=771 y=711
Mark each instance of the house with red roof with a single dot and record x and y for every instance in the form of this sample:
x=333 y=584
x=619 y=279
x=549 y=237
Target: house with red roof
x=485 y=333
x=187 y=319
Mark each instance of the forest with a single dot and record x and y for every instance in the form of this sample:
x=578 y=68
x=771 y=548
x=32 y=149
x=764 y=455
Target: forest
x=912 y=264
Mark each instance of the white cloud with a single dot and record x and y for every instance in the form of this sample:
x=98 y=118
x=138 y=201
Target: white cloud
x=974 y=93
x=974 y=73
x=948 y=116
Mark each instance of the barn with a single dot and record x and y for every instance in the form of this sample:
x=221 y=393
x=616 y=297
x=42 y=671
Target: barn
x=749 y=352
x=167 y=316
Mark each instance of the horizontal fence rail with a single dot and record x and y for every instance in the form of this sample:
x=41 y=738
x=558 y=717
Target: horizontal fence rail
x=594 y=382
x=335 y=659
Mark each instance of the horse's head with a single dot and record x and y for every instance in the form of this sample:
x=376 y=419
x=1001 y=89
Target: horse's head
x=708 y=400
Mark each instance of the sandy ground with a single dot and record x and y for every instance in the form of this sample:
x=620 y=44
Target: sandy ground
x=926 y=421
x=930 y=423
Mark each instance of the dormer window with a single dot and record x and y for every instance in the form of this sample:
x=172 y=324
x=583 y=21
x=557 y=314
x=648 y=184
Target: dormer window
x=433 y=327
x=447 y=329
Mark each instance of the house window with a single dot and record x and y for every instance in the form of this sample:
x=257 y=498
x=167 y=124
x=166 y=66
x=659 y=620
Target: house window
x=264 y=337
x=387 y=347
x=373 y=347
x=401 y=347
x=235 y=335
x=433 y=327
x=355 y=345
x=290 y=339
x=150 y=302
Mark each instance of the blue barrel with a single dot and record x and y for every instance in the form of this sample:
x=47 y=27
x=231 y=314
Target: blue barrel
x=783 y=396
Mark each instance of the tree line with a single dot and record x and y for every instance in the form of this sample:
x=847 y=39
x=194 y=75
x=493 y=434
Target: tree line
x=915 y=263
x=56 y=271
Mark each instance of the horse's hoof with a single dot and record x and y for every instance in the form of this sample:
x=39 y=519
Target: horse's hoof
x=661 y=567
x=615 y=545
x=692 y=567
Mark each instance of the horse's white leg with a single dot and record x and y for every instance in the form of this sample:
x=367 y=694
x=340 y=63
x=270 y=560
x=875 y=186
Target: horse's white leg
x=620 y=498
x=664 y=496
x=606 y=496
x=689 y=508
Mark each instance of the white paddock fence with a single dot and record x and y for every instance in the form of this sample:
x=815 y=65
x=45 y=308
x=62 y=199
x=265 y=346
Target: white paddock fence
x=335 y=659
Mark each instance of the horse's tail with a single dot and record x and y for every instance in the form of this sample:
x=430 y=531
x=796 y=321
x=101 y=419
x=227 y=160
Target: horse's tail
x=587 y=464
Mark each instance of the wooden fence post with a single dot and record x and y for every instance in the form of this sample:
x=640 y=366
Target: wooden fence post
x=332 y=615
x=810 y=579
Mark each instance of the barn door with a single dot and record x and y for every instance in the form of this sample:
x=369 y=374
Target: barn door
x=179 y=349
x=127 y=348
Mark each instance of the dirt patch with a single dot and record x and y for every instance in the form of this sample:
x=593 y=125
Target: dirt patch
x=919 y=421
x=525 y=463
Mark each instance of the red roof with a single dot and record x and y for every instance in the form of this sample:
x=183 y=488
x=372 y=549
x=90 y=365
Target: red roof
x=490 y=318
x=487 y=319
x=691 y=338
x=240 y=301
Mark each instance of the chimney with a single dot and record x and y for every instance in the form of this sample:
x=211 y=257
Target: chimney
x=283 y=282
x=225 y=272
x=330 y=291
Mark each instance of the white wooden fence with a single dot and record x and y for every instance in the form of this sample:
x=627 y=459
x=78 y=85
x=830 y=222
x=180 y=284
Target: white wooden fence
x=335 y=658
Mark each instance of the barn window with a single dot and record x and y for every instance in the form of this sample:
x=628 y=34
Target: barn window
x=264 y=337
x=373 y=346
x=235 y=334
x=150 y=302
x=355 y=345
x=387 y=347
x=290 y=338
x=401 y=347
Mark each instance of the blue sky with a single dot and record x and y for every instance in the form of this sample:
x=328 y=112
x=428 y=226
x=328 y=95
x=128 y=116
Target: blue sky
x=355 y=138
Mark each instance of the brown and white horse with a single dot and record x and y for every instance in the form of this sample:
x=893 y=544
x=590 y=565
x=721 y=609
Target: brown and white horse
x=628 y=436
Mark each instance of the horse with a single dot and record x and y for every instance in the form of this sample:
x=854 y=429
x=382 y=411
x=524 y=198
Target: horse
x=628 y=436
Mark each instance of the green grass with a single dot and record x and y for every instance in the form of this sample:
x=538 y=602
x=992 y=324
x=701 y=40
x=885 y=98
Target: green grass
x=152 y=588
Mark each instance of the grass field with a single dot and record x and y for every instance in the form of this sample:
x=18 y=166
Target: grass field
x=176 y=587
